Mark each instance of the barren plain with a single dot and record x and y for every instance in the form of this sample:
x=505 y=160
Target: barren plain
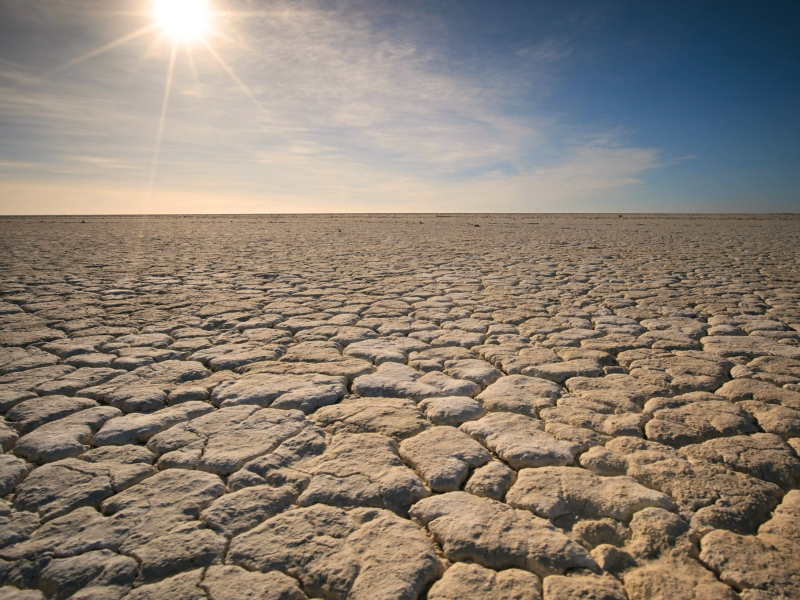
x=399 y=407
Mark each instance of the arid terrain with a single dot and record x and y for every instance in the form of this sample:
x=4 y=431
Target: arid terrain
x=400 y=406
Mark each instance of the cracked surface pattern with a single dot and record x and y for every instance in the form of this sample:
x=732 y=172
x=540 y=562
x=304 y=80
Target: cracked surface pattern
x=429 y=406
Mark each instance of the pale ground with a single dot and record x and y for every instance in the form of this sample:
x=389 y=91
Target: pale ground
x=476 y=406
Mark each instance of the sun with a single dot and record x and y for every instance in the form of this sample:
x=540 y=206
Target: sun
x=183 y=19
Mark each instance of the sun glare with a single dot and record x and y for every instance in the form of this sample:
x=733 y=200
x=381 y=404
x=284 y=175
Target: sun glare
x=182 y=19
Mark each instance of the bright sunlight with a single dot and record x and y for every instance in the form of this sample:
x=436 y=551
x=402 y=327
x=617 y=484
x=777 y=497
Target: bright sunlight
x=183 y=19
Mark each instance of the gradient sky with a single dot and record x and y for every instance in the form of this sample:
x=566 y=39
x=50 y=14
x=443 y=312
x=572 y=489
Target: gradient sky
x=403 y=106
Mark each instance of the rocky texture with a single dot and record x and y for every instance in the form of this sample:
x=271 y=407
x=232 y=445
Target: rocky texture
x=185 y=585
x=590 y=415
x=779 y=420
x=694 y=418
x=389 y=416
x=401 y=381
x=451 y=410
x=492 y=480
x=655 y=531
x=363 y=553
x=140 y=428
x=236 y=583
x=553 y=492
x=675 y=578
x=60 y=487
x=443 y=456
x=221 y=442
x=761 y=455
x=751 y=389
x=754 y=563
x=164 y=506
x=774 y=369
x=395 y=406
x=64 y=438
x=97 y=574
x=10 y=592
x=519 y=394
x=494 y=535
x=521 y=441
x=12 y=471
x=77 y=380
x=379 y=351
x=474 y=370
x=31 y=414
x=244 y=509
x=281 y=391
x=621 y=392
x=361 y=470
x=583 y=586
x=682 y=372
x=474 y=581
x=712 y=496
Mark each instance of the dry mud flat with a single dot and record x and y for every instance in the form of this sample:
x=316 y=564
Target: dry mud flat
x=381 y=407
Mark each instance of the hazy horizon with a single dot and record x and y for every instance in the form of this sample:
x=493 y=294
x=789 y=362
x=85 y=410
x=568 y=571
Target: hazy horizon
x=306 y=107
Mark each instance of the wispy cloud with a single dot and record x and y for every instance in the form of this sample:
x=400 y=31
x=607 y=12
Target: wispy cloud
x=591 y=179
x=14 y=165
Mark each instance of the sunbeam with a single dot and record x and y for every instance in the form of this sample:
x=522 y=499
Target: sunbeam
x=232 y=74
x=139 y=64
x=193 y=68
x=163 y=119
x=98 y=51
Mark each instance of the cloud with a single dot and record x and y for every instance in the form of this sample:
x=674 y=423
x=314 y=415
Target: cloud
x=592 y=169
x=378 y=93
x=357 y=109
x=593 y=179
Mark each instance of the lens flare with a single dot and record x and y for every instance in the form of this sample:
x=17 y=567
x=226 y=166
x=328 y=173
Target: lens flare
x=183 y=19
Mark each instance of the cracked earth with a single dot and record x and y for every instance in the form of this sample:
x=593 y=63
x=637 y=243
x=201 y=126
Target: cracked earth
x=399 y=407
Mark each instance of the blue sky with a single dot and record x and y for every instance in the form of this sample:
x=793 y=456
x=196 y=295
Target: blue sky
x=403 y=106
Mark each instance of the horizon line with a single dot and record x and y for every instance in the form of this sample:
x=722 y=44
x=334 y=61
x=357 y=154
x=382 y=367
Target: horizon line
x=433 y=213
